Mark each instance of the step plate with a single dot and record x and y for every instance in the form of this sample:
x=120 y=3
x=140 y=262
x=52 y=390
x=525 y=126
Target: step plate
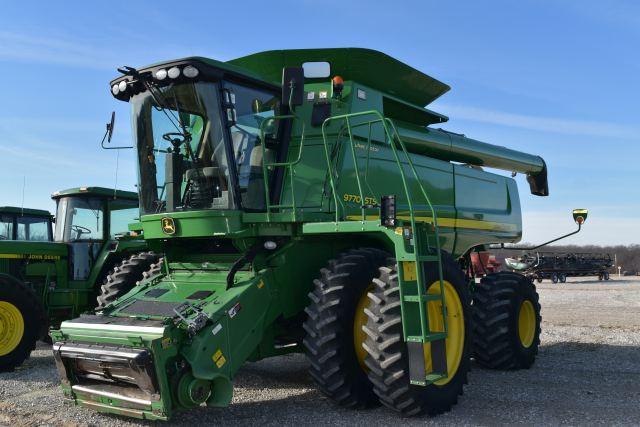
x=417 y=371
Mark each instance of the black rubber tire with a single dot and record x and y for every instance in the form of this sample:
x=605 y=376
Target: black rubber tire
x=605 y=275
x=554 y=278
x=539 y=279
x=154 y=269
x=329 y=327
x=496 y=303
x=562 y=278
x=387 y=359
x=124 y=276
x=26 y=301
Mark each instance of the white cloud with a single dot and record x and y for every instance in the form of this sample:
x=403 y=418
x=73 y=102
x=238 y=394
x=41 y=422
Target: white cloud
x=541 y=123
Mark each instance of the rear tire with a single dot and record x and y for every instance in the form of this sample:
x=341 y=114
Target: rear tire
x=21 y=323
x=505 y=337
x=388 y=359
x=125 y=276
x=562 y=278
x=337 y=364
x=554 y=278
x=605 y=275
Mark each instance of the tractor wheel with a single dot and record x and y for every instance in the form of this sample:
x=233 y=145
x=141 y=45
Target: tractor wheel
x=154 y=270
x=562 y=278
x=506 y=319
x=21 y=323
x=334 y=336
x=388 y=359
x=124 y=277
x=600 y=276
x=605 y=275
x=554 y=278
x=539 y=279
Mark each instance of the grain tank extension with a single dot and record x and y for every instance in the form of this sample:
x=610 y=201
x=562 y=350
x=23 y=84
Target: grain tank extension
x=303 y=201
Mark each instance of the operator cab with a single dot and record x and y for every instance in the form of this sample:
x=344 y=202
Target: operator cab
x=25 y=224
x=87 y=218
x=198 y=132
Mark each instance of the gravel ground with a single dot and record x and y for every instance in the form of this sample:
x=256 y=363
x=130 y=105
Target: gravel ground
x=587 y=372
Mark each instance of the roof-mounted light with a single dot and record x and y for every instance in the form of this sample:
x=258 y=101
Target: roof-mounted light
x=174 y=72
x=161 y=74
x=115 y=89
x=122 y=86
x=190 y=71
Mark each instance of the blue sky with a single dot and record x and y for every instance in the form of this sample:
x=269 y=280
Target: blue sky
x=558 y=79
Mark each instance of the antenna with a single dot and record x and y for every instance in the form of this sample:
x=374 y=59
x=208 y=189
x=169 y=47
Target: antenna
x=24 y=184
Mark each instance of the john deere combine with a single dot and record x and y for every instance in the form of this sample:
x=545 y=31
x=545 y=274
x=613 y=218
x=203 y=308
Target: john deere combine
x=44 y=282
x=303 y=202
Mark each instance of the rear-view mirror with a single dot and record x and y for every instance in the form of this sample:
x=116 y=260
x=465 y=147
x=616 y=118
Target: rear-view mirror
x=292 y=86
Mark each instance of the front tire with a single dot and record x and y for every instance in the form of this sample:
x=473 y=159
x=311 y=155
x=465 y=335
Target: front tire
x=21 y=323
x=506 y=319
x=124 y=277
x=388 y=359
x=333 y=341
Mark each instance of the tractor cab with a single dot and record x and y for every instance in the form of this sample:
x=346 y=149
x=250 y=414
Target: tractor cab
x=87 y=219
x=197 y=132
x=25 y=224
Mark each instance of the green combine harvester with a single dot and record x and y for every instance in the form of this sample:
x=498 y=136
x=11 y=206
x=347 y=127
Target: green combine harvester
x=303 y=202
x=43 y=283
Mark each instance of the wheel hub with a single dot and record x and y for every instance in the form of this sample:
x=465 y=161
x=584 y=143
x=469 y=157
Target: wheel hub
x=359 y=320
x=454 y=342
x=11 y=327
x=526 y=323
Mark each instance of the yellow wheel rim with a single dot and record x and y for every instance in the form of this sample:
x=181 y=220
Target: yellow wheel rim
x=359 y=320
x=526 y=323
x=11 y=327
x=454 y=342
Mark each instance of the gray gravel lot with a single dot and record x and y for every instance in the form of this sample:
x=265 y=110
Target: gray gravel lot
x=587 y=372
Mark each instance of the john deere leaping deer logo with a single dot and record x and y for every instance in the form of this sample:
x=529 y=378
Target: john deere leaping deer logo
x=168 y=226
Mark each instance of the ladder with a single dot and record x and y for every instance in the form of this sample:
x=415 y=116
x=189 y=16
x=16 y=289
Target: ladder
x=423 y=255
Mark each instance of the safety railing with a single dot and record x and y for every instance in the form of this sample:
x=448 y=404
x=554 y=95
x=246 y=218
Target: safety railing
x=289 y=168
x=392 y=135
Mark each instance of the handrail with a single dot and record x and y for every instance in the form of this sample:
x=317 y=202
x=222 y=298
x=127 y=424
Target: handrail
x=393 y=138
x=288 y=165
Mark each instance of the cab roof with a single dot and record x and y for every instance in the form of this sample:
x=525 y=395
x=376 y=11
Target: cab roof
x=369 y=67
x=14 y=210
x=96 y=192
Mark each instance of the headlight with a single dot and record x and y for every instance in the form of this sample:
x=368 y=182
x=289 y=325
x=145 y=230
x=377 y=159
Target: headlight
x=115 y=89
x=161 y=74
x=122 y=86
x=174 y=72
x=190 y=71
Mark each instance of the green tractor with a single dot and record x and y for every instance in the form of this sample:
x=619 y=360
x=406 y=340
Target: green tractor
x=25 y=224
x=92 y=260
x=302 y=203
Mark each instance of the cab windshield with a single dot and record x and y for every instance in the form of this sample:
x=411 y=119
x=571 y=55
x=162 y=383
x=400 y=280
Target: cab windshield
x=79 y=219
x=190 y=156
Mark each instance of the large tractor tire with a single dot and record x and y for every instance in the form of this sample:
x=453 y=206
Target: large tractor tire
x=334 y=335
x=388 y=359
x=21 y=323
x=124 y=276
x=506 y=319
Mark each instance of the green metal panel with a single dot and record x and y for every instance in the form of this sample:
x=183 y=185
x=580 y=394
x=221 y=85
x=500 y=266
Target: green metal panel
x=390 y=76
x=24 y=211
